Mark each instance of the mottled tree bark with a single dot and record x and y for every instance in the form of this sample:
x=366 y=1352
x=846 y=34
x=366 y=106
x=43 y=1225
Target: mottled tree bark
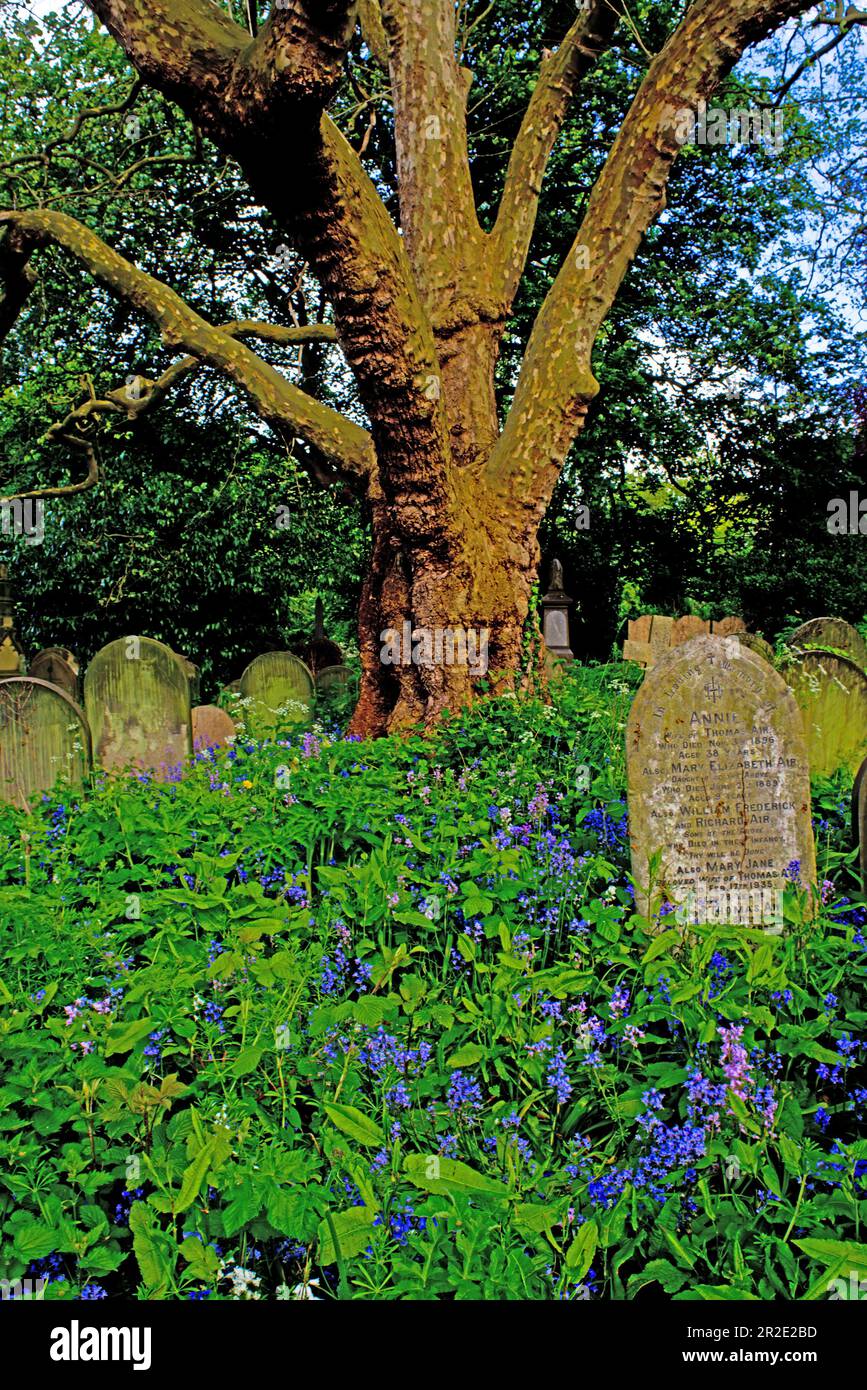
x=455 y=498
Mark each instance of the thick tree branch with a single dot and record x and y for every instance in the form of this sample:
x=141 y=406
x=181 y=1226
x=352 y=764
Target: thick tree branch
x=330 y=209
x=295 y=62
x=189 y=49
x=556 y=383
x=560 y=76
x=134 y=399
x=346 y=445
x=373 y=30
x=437 y=205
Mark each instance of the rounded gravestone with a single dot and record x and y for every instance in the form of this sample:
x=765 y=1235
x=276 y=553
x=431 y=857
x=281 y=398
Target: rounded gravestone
x=832 y=634
x=193 y=676
x=832 y=694
x=728 y=627
x=43 y=736
x=859 y=820
x=757 y=643
x=137 y=697
x=718 y=785
x=280 y=689
x=331 y=677
x=212 y=727
x=686 y=628
x=58 y=666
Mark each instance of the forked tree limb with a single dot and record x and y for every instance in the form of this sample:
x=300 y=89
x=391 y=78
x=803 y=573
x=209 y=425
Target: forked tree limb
x=247 y=97
x=345 y=445
x=556 y=383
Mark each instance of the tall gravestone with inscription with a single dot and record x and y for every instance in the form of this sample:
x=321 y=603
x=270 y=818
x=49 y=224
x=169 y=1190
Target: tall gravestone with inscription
x=137 y=697
x=719 y=786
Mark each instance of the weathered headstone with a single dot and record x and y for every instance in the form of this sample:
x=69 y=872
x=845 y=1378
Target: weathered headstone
x=756 y=643
x=58 y=666
x=12 y=659
x=648 y=639
x=832 y=694
x=719 y=785
x=859 y=820
x=137 y=697
x=280 y=688
x=43 y=736
x=651 y=636
x=727 y=627
x=687 y=627
x=331 y=676
x=212 y=727
x=193 y=676
x=832 y=634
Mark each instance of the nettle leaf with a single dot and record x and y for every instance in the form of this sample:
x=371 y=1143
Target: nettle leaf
x=154 y=1251
x=355 y=1123
x=36 y=1241
x=353 y=1230
x=243 y=1207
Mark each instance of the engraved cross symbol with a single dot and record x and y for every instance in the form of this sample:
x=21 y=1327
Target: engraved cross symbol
x=713 y=690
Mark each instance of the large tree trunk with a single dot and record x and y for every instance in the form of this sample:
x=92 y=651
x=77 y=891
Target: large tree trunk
x=479 y=589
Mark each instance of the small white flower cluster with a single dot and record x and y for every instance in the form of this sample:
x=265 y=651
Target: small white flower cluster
x=245 y=1284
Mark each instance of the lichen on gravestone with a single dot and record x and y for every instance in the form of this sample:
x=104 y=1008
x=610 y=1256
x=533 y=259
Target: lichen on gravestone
x=718 y=786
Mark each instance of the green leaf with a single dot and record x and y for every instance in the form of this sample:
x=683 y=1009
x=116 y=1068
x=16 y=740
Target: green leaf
x=724 y=1292
x=433 y=1173
x=681 y=1254
x=149 y=1244
x=355 y=1123
x=579 y=1256
x=660 y=1272
x=352 y=1228
x=467 y=1056
x=243 y=1207
x=194 y=1177
x=536 y=1216
x=246 y=1061
x=122 y=1037
x=660 y=945
x=830 y=1251
x=36 y=1241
